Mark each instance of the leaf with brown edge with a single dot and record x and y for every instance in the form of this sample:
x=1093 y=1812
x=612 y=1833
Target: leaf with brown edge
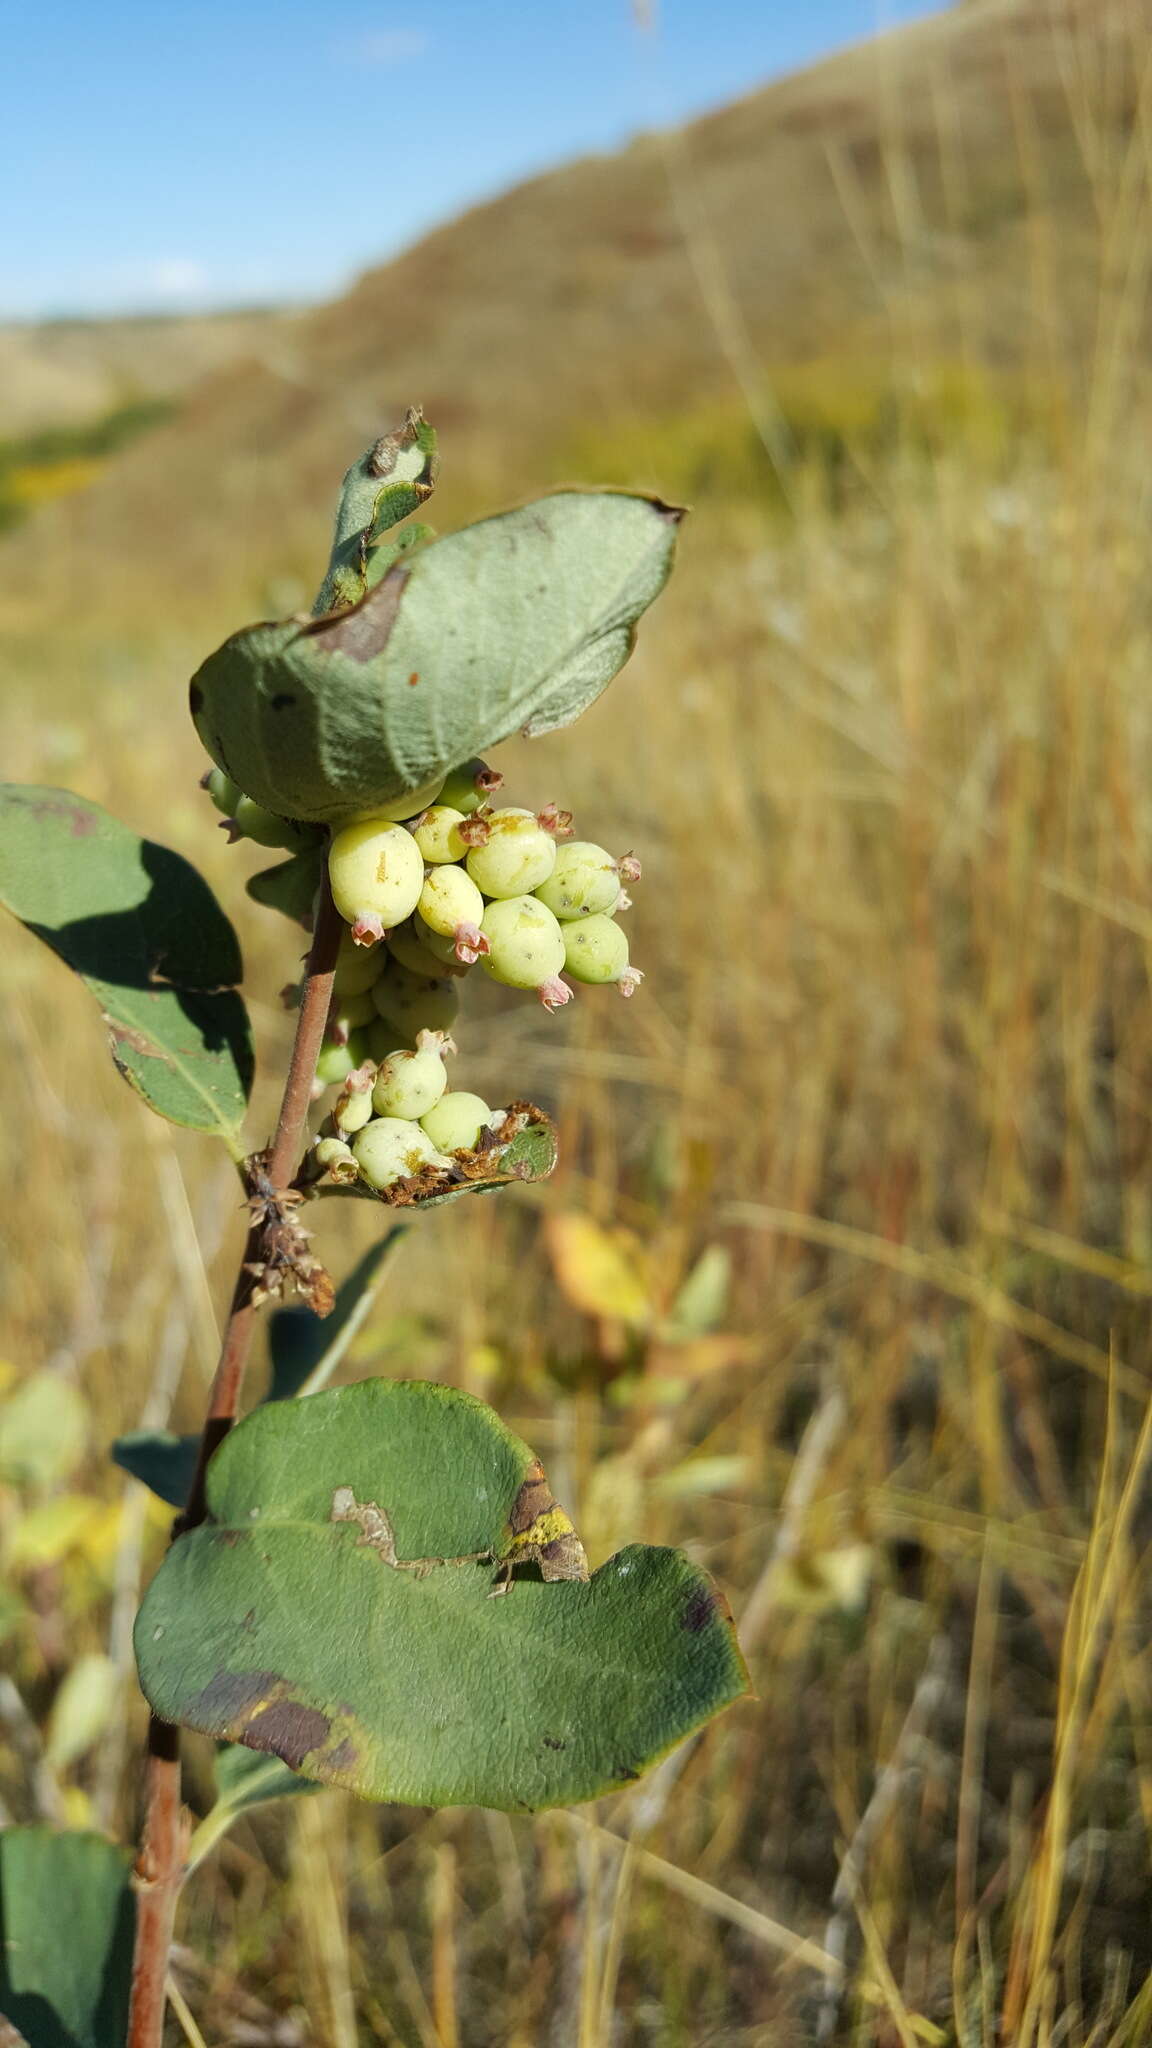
x=529 y=1155
x=339 y=1610
x=515 y=624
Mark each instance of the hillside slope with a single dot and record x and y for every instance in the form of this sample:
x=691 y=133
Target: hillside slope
x=67 y=372
x=944 y=194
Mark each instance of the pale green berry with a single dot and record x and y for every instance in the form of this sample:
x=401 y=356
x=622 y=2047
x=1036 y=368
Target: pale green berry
x=442 y=948
x=224 y=793
x=335 y=1062
x=451 y=906
x=336 y=1158
x=516 y=856
x=583 y=882
x=390 y=1149
x=401 y=807
x=353 y=1108
x=410 y=1083
x=251 y=821
x=526 y=948
x=438 y=836
x=407 y=945
x=384 y=1038
x=357 y=967
x=596 y=950
x=377 y=875
x=415 y=1002
x=456 y=1121
x=470 y=786
x=348 y=1013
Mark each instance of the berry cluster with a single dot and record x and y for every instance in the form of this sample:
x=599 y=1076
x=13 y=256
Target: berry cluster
x=430 y=887
x=400 y=1121
x=462 y=881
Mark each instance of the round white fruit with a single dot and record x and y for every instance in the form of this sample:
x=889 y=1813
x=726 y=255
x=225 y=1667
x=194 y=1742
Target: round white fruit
x=525 y=940
x=377 y=874
x=456 y=1121
x=516 y=856
x=392 y=1148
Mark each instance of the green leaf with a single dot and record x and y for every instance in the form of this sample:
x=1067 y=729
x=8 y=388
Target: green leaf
x=303 y=1350
x=85 y=1702
x=142 y=928
x=244 y=1779
x=388 y=552
x=702 y=1300
x=164 y=1462
x=290 y=886
x=67 y=1920
x=44 y=1427
x=337 y=1611
x=393 y=478
x=513 y=625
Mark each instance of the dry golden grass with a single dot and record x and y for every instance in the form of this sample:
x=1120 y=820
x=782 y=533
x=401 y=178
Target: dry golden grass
x=885 y=749
x=73 y=370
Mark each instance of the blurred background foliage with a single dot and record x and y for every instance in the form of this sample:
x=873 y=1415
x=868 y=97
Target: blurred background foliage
x=844 y=1281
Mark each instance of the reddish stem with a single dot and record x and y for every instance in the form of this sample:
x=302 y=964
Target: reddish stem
x=157 y=1879
x=163 y=1845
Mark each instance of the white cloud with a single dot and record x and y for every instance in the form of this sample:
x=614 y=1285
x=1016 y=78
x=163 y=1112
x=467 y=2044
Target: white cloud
x=178 y=277
x=384 y=48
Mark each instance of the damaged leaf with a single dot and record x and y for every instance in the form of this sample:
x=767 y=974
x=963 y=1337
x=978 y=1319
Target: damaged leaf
x=513 y=625
x=529 y=1156
x=388 y=1597
x=144 y=931
x=391 y=479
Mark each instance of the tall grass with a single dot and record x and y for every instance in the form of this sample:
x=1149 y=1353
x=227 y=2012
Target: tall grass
x=884 y=747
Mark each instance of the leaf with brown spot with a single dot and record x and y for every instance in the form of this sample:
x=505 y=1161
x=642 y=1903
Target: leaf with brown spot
x=350 y=1625
x=515 y=624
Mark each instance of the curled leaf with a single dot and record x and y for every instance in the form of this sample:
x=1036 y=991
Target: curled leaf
x=528 y=1155
x=514 y=624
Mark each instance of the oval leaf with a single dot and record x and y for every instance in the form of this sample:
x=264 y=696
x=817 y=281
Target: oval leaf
x=514 y=624
x=339 y=1611
x=602 y=1272
x=67 y=1917
x=244 y=1779
x=143 y=929
x=160 y=1460
x=291 y=886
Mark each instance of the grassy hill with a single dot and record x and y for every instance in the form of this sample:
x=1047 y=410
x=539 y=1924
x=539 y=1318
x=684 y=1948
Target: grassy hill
x=947 y=203
x=67 y=372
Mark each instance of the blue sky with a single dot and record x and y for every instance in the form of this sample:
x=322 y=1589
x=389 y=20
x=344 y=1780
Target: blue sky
x=234 y=151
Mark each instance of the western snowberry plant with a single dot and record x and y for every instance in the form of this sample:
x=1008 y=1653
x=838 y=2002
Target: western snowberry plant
x=369 y=1586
